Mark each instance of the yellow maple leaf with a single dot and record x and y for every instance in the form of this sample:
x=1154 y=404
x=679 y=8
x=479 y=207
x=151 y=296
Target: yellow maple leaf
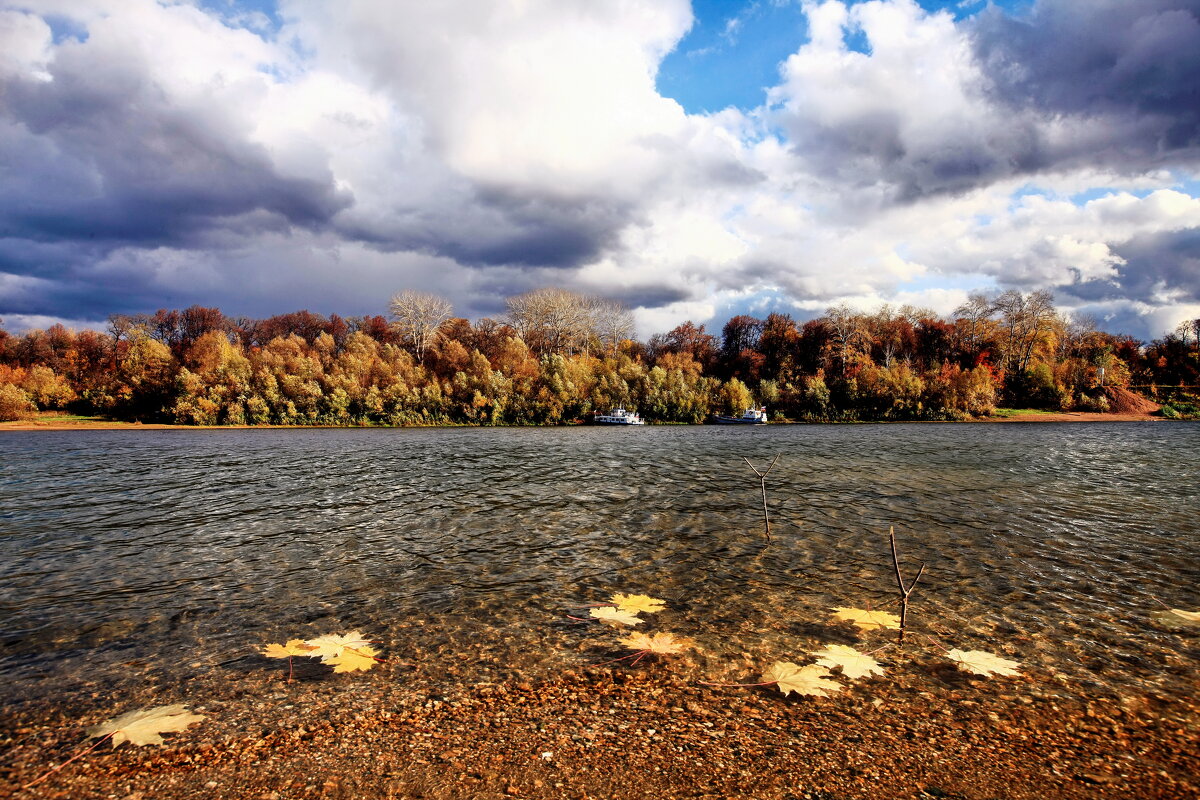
x=294 y=647
x=614 y=616
x=1177 y=618
x=981 y=662
x=143 y=727
x=331 y=645
x=633 y=603
x=812 y=680
x=354 y=658
x=853 y=663
x=867 y=620
x=660 y=643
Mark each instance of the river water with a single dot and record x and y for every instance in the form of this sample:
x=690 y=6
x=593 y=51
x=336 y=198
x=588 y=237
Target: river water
x=129 y=555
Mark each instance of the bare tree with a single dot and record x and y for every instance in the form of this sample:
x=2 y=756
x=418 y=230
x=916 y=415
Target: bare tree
x=559 y=321
x=974 y=312
x=1026 y=318
x=418 y=317
x=611 y=322
x=848 y=332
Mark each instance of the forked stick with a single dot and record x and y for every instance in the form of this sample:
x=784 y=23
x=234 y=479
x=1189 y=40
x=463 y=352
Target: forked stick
x=905 y=591
x=762 y=479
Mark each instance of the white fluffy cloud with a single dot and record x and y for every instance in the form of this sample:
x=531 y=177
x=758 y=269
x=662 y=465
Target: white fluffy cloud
x=166 y=156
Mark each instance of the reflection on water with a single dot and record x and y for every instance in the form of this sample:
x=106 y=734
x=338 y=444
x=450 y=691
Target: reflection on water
x=465 y=548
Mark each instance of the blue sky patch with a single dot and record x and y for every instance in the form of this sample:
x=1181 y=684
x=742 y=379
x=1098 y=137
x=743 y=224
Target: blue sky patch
x=734 y=50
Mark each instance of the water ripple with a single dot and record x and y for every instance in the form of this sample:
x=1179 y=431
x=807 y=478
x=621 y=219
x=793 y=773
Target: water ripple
x=472 y=544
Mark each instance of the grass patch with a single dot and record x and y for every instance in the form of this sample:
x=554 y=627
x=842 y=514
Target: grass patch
x=1009 y=413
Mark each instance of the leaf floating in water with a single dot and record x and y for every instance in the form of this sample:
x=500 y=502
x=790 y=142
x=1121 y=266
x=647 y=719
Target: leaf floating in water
x=1177 y=618
x=868 y=620
x=331 y=645
x=813 y=680
x=143 y=727
x=614 y=616
x=354 y=658
x=853 y=663
x=983 y=663
x=294 y=647
x=659 y=643
x=633 y=603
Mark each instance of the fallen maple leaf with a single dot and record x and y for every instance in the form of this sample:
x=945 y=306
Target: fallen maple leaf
x=614 y=616
x=853 y=663
x=354 y=658
x=294 y=647
x=143 y=727
x=633 y=603
x=980 y=662
x=660 y=643
x=867 y=620
x=1177 y=618
x=331 y=645
x=812 y=680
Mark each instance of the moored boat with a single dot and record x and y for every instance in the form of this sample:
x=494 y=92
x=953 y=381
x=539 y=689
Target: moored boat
x=751 y=416
x=618 y=416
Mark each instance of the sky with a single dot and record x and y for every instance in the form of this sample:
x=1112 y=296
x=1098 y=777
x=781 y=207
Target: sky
x=691 y=160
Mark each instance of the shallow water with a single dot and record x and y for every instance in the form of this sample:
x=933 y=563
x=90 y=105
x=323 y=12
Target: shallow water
x=133 y=555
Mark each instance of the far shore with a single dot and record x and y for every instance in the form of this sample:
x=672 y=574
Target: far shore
x=57 y=422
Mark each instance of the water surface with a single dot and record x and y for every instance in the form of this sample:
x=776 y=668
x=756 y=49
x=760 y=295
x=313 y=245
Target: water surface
x=132 y=553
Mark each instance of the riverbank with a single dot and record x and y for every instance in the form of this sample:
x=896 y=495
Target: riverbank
x=57 y=422
x=621 y=734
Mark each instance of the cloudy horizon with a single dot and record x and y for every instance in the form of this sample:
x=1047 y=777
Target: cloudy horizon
x=691 y=160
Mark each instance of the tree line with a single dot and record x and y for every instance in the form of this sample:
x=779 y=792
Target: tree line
x=557 y=356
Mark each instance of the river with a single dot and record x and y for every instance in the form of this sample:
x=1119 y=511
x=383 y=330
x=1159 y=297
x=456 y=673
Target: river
x=129 y=554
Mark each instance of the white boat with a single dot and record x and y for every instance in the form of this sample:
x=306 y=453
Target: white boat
x=618 y=416
x=751 y=416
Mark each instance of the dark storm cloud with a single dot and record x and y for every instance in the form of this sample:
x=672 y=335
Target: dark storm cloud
x=644 y=296
x=1154 y=265
x=1135 y=63
x=1112 y=84
x=497 y=226
x=101 y=153
x=873 y=149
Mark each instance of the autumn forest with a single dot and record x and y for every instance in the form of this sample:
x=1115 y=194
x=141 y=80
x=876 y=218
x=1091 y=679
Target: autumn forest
x=556 y=356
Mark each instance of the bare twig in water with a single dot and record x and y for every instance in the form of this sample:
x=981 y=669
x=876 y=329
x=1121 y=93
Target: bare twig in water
x=762 y=479
x=905 y=591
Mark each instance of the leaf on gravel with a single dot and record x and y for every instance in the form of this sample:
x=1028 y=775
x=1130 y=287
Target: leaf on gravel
x=983 y=663
x=1177 y=618
x=659 y=643
x=867 y=620
x=633 y=603
x=354 y=658
x=143 y=727
x=812 y=680
x=614 y=616
x=853 y=663
x=331 y=645
x=294 y=647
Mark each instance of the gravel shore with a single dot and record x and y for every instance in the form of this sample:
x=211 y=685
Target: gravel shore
x=619 y=733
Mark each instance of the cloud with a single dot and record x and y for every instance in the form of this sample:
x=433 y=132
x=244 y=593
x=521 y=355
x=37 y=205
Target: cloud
x=141 y=148
x=163 y=154
x=937 y=106
x=1126 y=71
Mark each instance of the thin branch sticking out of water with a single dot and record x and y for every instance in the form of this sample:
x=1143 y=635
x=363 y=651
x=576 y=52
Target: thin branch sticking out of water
x=905 y=591
x=762 y=479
